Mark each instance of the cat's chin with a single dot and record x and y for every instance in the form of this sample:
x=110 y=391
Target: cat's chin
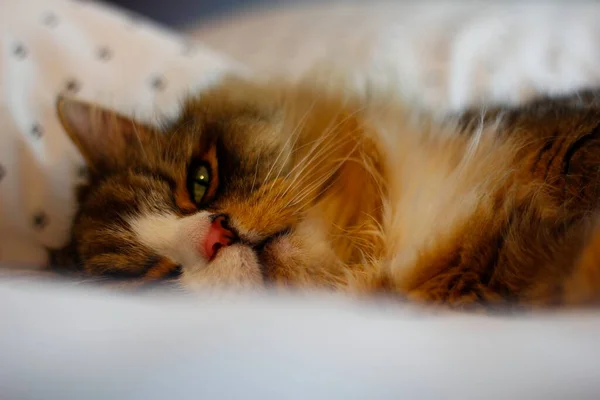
x=234 y=266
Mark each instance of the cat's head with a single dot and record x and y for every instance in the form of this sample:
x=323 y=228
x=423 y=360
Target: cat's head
x=252 y=184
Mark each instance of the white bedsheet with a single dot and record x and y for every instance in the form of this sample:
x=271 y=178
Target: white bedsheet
x=444 y=54
x=64 y=343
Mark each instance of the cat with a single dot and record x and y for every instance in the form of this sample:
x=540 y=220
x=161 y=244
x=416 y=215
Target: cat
x=294 y=186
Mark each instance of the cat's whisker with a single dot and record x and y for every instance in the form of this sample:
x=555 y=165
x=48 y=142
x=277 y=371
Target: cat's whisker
x=307 y=191
x=307 y=168
x=295 y=134
x=328 y=132
x=377 y=178
x=360 y=232
x=307 y=204
x=285 y=146
x=173 y=154
x=316 y=144
x=358 y=243
x=306 y=174
x=325 y=152
x=255 y=173
x=312 y=163
x=137 y=135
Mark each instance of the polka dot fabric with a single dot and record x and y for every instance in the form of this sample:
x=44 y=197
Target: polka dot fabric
x=82 y=49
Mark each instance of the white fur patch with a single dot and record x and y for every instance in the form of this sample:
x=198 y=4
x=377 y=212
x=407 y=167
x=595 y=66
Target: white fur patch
x=182 y=240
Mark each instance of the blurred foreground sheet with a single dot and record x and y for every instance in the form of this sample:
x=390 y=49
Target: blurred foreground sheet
x=60 y=342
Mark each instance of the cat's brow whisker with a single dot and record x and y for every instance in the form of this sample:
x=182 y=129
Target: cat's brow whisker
x=181 y=126
x=139 y=138
x=304 y=193
x=285 y=146
x=326 y=135
x=306 y=160
x=173 y=134
x=307 y=191
x=316 y=195
x=356 y=240
x=372 y=170
x=312 y=163
x=255 y=172
x=309 y=163
x=311 y=166
x=295 y=134
x=306 y=165
x=310 y=159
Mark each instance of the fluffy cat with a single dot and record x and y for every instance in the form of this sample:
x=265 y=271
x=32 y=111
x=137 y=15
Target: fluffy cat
x=296 y=186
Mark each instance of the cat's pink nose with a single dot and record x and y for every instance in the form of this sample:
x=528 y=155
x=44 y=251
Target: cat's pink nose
x=219 y=235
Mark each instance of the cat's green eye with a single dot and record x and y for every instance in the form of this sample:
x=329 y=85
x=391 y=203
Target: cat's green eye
x=200 y=183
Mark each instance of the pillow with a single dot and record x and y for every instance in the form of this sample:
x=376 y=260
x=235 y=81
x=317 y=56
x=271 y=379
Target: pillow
x=98 y=54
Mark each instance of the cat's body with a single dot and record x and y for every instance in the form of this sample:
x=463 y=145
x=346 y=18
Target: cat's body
x=294 y=186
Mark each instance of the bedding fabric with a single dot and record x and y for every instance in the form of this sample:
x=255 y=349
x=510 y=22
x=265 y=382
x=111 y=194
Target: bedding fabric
x=446 y=55
x=76 y=48
x=84 y=344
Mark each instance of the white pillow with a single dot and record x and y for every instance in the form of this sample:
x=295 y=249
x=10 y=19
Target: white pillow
x=97 y=54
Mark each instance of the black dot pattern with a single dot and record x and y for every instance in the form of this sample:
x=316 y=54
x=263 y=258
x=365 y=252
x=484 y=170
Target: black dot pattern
x=159 y=83
x=20 y=51
x=40 y=220
x=50 y=20
x=104 y=53
x=72 y=86
x=37 y=131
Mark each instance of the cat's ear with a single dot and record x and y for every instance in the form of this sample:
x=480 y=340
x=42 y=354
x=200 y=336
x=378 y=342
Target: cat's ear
x=105 y=138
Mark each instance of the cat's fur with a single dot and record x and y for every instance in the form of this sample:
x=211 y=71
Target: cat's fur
x=323 y=191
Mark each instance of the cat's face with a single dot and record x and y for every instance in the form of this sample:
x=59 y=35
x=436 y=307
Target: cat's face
x=243 y=189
